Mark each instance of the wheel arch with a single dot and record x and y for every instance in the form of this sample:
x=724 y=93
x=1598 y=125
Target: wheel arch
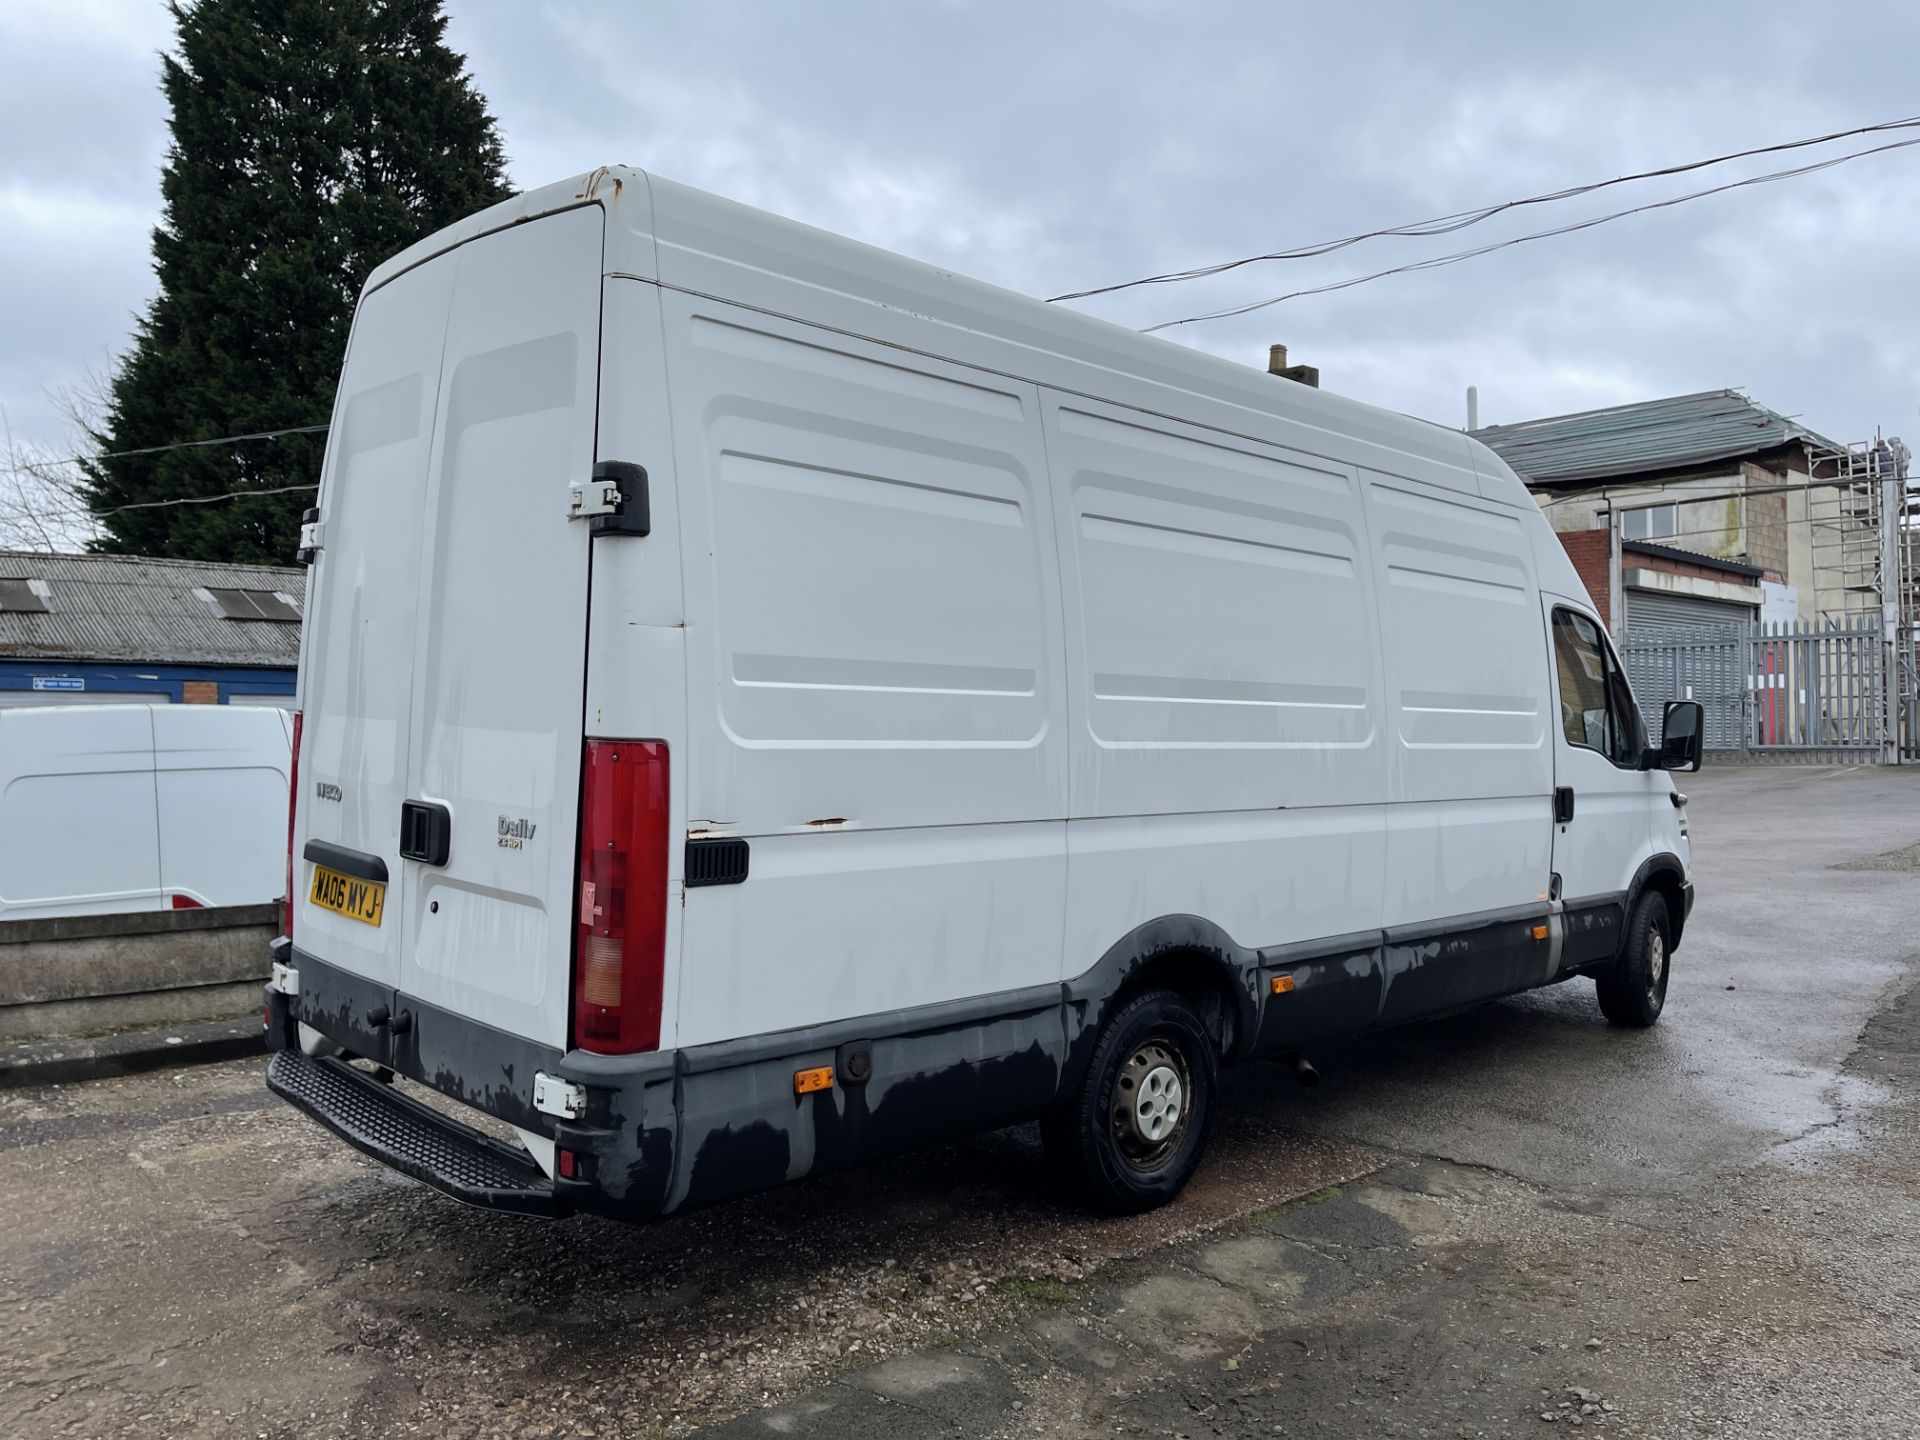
x=1664 y=874
x=1189 y=955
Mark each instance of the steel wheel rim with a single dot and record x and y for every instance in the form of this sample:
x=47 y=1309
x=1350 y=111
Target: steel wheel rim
x=1152 y=1104
x=1656 y=962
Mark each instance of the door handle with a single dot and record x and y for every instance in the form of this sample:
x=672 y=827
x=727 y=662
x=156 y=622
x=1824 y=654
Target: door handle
x=1563 y=804
x=426 y=832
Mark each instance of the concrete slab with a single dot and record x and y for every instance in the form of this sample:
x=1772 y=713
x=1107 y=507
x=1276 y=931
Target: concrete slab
x=967 y=1391
x=1187 y=1316
x=836 y=1412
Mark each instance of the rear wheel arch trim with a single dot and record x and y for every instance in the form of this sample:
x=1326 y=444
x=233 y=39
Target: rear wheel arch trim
x=1161 y=944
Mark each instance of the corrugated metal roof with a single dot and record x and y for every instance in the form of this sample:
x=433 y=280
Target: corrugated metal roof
x=1654 y=435
x=1692 y=557
x=113 y=607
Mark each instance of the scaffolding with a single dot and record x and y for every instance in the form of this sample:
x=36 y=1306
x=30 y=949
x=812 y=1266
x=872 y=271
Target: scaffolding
x=1843 y=514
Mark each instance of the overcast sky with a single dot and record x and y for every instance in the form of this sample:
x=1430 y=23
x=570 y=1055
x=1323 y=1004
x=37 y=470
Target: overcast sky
x=1049 y=147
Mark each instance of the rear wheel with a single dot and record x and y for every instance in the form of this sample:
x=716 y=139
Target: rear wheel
x=1132 y=1135
x=1633 y=991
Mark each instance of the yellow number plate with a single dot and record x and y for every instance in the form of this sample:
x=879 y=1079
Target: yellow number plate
x=356 y=899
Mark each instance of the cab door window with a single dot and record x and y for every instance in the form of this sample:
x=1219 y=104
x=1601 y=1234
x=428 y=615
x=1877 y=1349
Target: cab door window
x=1596 y=704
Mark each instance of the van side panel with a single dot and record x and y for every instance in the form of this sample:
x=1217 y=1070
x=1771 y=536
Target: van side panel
x=873 y=669
x=1468 y=704
x=59 y=763
x=220 y=779
x=1223 y=648
x=1471 y=768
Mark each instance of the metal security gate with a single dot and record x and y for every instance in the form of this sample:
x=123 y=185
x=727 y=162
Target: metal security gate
x=1780 y=693
x=1708 y=665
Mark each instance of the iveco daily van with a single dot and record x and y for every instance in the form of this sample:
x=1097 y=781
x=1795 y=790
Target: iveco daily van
x=111 y=808
x=767 y=702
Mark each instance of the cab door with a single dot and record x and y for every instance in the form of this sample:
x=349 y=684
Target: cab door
x=1603 y=800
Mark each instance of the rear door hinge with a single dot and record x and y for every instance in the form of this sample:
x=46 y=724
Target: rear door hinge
x=311 y=536
x=560 y=1098
x=615 y=501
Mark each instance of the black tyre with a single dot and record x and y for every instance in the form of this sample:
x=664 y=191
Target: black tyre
x=1132 y=1135
x=1633 y=991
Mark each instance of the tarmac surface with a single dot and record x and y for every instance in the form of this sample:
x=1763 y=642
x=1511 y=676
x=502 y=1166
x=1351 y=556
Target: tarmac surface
x=1505 y=1223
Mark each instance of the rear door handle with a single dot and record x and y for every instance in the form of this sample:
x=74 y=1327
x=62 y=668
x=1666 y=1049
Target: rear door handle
x=1563 y=804
x=426 y=832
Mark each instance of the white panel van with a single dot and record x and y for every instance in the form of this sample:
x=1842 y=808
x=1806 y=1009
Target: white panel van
x=113 y=808
x=768 y=702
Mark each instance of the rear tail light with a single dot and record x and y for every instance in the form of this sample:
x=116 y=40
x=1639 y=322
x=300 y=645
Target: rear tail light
x=293 y=800
x=187 y=902
x=620 y=945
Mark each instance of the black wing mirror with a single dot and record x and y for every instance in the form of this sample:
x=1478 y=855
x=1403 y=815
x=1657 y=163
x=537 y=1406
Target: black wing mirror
x=1682 y=734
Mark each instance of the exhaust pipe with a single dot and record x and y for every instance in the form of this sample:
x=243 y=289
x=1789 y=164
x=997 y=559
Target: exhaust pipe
x=1304 y=1072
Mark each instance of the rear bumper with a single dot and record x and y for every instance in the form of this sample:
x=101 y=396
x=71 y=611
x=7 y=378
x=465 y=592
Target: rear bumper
x=665 y=1131
x=412 y=1138
x=622 y=1147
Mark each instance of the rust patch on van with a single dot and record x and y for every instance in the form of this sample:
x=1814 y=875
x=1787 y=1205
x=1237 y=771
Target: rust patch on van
x=829 y=821
x=591 y=189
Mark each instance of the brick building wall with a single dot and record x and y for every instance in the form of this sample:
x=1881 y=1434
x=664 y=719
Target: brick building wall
x=1591 y=552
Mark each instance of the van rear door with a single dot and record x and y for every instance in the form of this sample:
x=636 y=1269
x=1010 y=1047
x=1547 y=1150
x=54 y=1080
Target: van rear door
x=465 y=712
x=500 y=673
x=357 y=663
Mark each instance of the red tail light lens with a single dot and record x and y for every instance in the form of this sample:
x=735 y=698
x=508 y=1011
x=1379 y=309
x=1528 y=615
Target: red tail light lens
x=620 y=946
x=293 y=800
x=186 y=902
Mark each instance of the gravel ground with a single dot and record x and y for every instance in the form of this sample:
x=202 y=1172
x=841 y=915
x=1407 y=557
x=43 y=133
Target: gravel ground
x=1728 y=1205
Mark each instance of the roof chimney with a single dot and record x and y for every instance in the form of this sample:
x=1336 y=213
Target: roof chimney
x=1300 y=374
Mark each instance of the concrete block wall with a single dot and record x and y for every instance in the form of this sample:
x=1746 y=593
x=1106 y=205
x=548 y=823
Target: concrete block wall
x=80 y=974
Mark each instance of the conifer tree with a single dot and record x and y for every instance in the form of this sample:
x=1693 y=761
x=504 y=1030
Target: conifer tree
x=312 y=139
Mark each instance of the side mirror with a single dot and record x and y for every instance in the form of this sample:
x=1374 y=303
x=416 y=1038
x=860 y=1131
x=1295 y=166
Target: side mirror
x=1682 y=734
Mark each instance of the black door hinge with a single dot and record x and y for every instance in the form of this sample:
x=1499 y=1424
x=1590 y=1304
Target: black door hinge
x=633 y=513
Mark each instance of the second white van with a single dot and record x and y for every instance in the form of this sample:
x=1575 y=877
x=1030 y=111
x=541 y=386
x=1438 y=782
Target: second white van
x=768 y=702
x=113 y=808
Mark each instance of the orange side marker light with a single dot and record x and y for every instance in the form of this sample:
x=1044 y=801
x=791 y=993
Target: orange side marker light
x=820 y=1077
x=1282 y=984
x=1539 y=932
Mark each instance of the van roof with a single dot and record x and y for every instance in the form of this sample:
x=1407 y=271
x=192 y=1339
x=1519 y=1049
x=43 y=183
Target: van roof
x=660 y=230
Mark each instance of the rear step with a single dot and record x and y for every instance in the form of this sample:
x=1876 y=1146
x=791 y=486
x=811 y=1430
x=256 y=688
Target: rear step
x=412 y=1138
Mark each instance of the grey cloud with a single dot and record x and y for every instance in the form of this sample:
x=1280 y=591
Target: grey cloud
x=1050 y=147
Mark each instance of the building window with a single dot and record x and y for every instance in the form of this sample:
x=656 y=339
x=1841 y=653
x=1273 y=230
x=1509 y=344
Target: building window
x=1652 y=522
x=252 y=605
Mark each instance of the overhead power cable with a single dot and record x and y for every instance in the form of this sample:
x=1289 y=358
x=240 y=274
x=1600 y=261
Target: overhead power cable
x=201 y=499
x=175 y=445
x=1462 y=219
x=1438 y=261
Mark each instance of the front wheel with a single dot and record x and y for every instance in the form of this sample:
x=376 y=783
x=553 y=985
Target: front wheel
x=1633 y=990
x=1132 y=1135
